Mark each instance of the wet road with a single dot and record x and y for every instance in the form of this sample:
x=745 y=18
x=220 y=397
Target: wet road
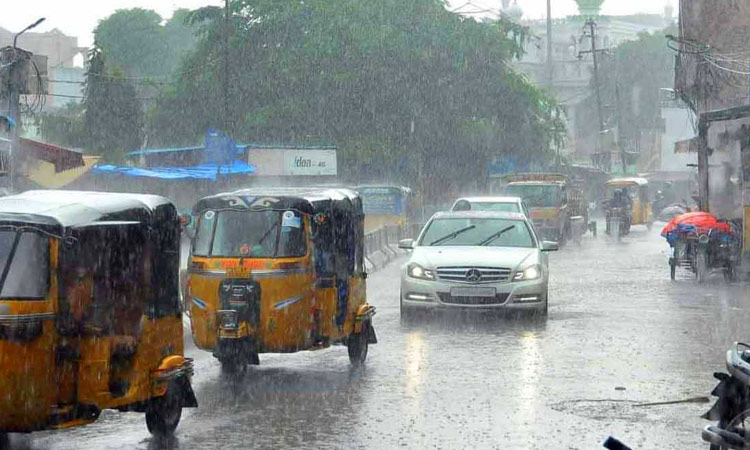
x=619 y=334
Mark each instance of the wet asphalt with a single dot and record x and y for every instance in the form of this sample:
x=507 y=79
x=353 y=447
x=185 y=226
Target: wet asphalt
x=619 y=335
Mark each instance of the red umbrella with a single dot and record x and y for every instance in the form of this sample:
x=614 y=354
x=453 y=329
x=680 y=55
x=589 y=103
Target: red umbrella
x=702 y=221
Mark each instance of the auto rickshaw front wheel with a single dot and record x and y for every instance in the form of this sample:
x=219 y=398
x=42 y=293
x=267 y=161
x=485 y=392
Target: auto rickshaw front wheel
x=358 y=345
x=163 y=413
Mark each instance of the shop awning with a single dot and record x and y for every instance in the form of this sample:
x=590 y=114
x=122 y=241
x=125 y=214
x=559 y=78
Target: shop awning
x=687 y=145
x=62 y=158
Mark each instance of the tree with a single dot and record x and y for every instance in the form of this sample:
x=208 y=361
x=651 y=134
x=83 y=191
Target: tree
x=630 y=81
x=136 y=42
x=397 y=84
x=113 y=119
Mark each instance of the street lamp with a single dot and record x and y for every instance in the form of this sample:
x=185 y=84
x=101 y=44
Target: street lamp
x=33 y=25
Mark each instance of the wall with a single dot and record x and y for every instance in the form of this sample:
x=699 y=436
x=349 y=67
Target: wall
x=679 y=126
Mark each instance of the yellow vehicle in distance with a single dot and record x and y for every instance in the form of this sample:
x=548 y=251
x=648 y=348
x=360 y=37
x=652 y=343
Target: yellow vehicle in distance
x=90 y=316
x=279 y=271
x=385 y=205
x=557 y=204
x=638 y=192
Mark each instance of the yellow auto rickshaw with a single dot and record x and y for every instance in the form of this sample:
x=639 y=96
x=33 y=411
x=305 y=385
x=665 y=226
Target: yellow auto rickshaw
x=90 y=316
x=638 y=193
x=276 y=271
x=385 y=205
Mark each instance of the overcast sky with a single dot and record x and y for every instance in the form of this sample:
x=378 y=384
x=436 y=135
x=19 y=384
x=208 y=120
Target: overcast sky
x=79 y=17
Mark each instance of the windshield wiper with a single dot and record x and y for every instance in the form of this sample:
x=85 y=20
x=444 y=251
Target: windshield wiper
x=494 y=236
x=267 y=233
x=452 y=235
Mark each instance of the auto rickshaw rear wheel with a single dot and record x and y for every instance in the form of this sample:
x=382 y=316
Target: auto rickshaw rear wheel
x=163 y=413
x=4 y=441
x=357 y=344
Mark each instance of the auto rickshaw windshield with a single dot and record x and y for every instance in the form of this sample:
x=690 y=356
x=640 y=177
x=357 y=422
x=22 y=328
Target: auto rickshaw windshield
x=24 y=265
x=250 y=234
x=541 y=196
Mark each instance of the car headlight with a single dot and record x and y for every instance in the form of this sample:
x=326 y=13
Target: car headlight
x=417 y=271
x=529 y=273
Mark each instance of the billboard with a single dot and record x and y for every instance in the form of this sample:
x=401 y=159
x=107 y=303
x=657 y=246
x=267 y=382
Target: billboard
x=293 y=161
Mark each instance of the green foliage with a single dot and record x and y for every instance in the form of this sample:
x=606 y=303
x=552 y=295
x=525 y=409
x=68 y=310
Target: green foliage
x=135 y=41
x=638 y=70
x=113 y=119
x=65 y=127
x=359 y=74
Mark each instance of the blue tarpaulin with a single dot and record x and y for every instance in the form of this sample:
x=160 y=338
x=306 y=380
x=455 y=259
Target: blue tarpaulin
x=200 y=172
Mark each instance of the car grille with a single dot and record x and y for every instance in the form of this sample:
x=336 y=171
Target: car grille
x=487 y=274
x=498 y=299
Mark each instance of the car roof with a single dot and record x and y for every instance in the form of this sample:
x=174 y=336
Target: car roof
x=479 y=215
x=489 y=199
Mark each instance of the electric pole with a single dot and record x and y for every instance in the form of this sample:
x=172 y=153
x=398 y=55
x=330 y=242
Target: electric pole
x=594 y=52
x=620 y=129
x=13 y=61
x=550 y=73
x=225 y=84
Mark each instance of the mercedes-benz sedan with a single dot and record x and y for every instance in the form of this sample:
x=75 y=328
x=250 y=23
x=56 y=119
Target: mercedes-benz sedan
x=476 y=260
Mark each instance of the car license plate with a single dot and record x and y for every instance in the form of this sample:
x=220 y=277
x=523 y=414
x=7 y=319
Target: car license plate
x=473 y=292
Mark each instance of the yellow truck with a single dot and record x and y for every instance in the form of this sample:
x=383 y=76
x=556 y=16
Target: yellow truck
x=557 y=204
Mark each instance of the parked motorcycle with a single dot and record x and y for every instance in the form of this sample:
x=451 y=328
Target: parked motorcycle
x=731 y=412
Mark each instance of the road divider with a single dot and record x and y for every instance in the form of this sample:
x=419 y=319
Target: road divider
x=381 y=244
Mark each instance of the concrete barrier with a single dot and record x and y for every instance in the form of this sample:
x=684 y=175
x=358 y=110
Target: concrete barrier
x=381 y=245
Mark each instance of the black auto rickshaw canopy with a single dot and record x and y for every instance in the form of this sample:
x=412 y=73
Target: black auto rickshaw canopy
x=337 y=218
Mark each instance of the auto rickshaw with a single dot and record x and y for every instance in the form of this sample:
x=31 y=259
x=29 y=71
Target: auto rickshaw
x=90 y=316
x=385 y=205
x=278 y=271
x=640 y=200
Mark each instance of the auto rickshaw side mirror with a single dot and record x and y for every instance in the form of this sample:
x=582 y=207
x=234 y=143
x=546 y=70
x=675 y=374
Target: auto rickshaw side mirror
x=549 y=246
x=186 y=223
x=406 y=244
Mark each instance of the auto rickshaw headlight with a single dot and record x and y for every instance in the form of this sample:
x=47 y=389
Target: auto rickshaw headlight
x=703 y=239
x=419 y=272
x=529 y=273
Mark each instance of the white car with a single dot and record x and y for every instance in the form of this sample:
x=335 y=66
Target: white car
x=476 y=260
x=503 y=204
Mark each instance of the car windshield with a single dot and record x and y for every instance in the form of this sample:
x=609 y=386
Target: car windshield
x=24 y=261
x=250 y=234
x=475 y=231
x=535 y=195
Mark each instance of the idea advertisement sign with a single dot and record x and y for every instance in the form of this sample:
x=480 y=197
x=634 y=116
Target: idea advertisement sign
x=298 y=161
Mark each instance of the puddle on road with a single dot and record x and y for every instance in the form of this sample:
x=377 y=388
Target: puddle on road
x=610 y=409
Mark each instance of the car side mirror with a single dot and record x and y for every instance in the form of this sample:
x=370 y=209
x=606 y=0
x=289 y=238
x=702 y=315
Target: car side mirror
x=406 y=244
x=549 y=246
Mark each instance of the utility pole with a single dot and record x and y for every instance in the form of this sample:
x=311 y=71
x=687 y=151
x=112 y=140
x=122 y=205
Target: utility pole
x=550 y=73
x=594 y=53
x=12 y=82
x=619 y=128
x=225 y=84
